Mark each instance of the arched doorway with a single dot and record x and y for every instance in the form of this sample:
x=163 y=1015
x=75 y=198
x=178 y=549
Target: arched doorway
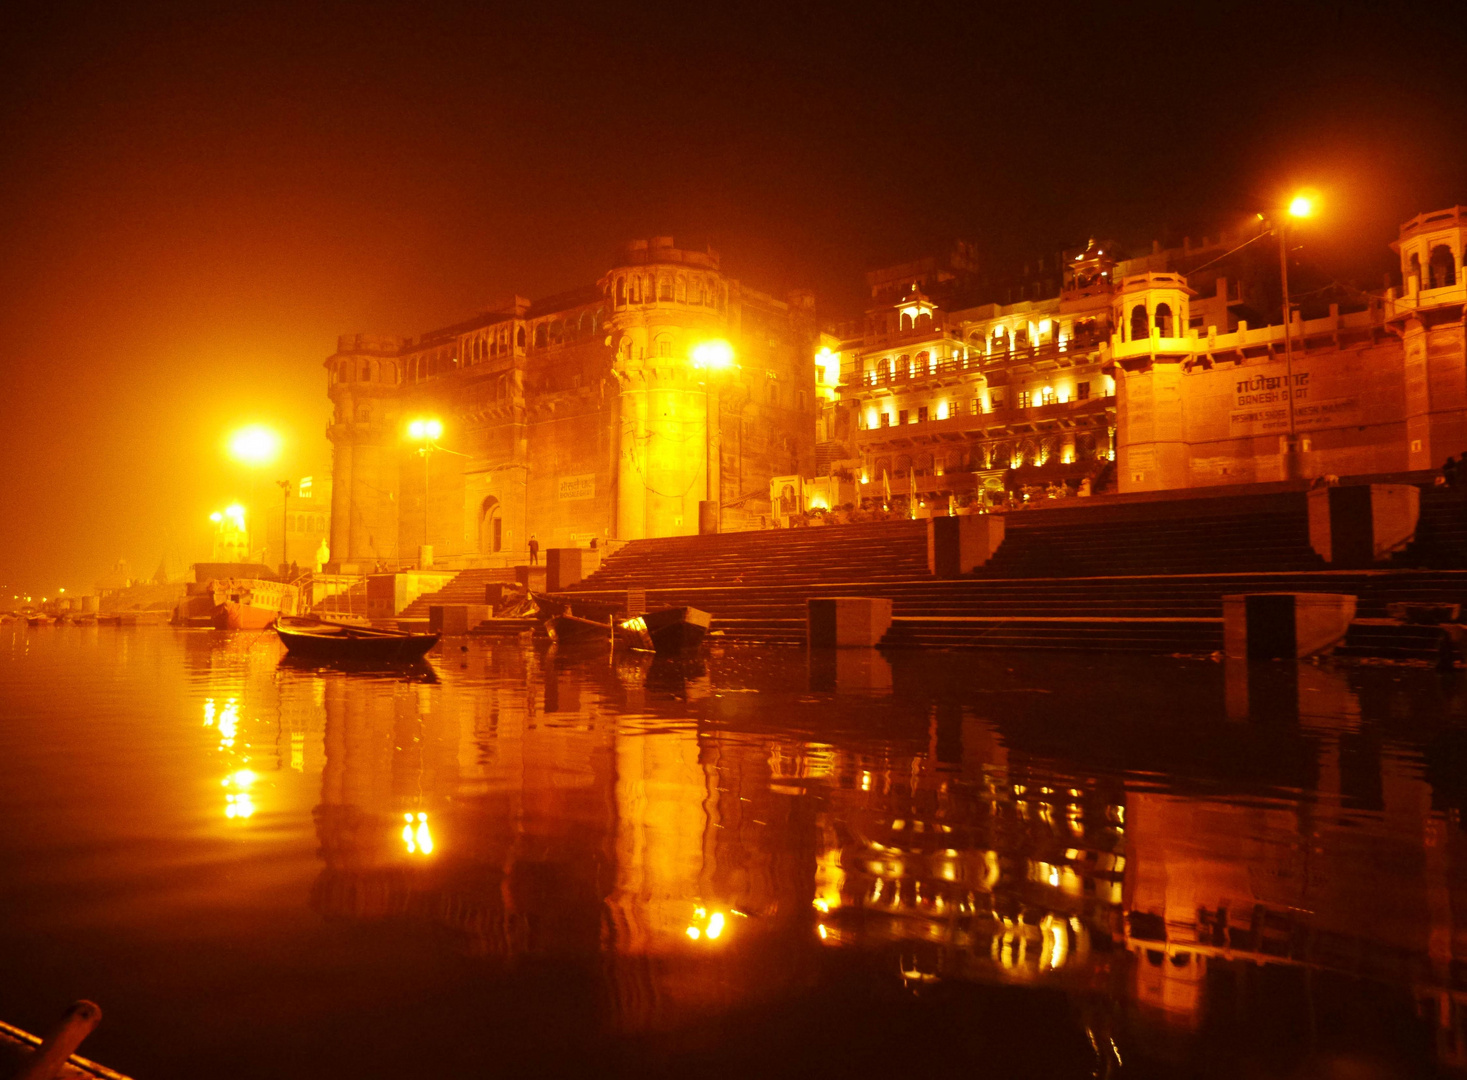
x=491 y=527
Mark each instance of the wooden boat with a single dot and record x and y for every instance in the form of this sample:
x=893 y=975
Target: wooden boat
x=25 y=1055
x=38 y=620
x=316 y=640
x=251 y=603
x=571 y=629
x=668 y=631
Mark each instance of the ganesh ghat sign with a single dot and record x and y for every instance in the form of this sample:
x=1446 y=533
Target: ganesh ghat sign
x=1260 y=405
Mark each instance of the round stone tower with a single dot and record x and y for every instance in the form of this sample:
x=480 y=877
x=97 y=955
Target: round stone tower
x=665 y=302
x=362 y=379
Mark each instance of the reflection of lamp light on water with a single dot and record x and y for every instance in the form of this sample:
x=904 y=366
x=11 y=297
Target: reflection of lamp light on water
x=711 y=928
x=416 y=837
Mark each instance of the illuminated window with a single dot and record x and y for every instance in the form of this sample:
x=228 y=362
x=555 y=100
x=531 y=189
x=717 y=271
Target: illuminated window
x=1025 y=399
x=886 y=419
x=1047 y=396
x=1082 y=391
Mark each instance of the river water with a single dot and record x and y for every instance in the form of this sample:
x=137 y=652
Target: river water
x=759 y=863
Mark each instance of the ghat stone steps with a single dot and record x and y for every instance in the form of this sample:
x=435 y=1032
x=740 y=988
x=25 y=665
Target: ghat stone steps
x=1145 y=576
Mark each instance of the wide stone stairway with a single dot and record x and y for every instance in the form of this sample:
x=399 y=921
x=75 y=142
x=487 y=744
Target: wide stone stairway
x=1140 y=576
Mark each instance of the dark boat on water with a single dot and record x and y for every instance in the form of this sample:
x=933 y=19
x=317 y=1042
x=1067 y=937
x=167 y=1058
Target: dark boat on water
x=666 y=632
x=568 y=629
x=315 y=640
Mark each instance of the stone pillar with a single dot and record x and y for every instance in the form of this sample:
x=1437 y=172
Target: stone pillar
x=713 y=457
x=1151 y=447
x=1287 y=626
x=341 y=488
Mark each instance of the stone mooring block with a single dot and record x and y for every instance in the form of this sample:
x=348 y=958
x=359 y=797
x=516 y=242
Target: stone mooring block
x=531 y=577
x=564 y=567
x=456 y=618
x=846 y=622
x=1285 y=626
x=1362 y=524
x=959 y=545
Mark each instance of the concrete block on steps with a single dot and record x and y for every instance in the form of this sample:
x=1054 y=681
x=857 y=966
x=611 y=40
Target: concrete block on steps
x=456 y=618
x=563 y=568
x=959 y=545
x=531 y=577
x=1362 y=524
x=839 y=622
x=1284 y=625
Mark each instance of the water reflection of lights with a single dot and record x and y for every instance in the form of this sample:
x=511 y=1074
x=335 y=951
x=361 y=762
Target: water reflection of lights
x=239 y=805
x=706 y=925
x=417 y=839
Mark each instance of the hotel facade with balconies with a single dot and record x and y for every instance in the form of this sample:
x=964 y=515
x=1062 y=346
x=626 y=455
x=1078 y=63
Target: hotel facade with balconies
x=1145 y=374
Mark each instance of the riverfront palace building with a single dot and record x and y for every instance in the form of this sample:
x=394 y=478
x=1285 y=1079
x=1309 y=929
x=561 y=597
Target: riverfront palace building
x=613 y=413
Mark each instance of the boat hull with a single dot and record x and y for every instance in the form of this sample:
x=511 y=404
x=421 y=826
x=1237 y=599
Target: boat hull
x=669 y=632
x=233 y=616
x=355 y=646
x=572 y=629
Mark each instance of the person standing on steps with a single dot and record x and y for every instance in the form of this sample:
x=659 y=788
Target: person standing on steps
x=534 y=550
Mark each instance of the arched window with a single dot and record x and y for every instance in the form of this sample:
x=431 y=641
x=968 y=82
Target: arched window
x=662 y=346
x=682 y=290
x=366 y=371
x=519 y=337
x=557 y=332
x=664 y=288
x=1414 y=269
x=540 y=335
x=924 y=319
x=624 y=349
x=904 y=365
x=1442 y=268
x=773 y=394
x=906 y=321
x=1164 y=320
x=1140 y=326
x=924 y=363
x=621 y=291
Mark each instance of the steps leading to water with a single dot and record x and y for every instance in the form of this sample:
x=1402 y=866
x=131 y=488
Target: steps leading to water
x=1138 y=576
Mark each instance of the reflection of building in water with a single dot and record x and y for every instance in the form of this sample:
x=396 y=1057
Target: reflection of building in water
x=579 y=811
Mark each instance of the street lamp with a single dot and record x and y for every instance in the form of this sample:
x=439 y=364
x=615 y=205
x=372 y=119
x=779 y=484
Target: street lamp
x=712 y=358
x=284 y=486
x=425 y=430
x=1300 y=207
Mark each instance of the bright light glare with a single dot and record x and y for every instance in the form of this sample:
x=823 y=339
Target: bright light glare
x=254 y=445
x=1301 y=207
x=713 y=355
x=425 y=430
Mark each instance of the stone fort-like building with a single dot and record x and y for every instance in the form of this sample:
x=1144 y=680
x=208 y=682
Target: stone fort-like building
x=587 y=415
x=580 y=416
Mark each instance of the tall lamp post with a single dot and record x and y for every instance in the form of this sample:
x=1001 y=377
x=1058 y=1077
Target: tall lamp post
x=258 y=446
x=425 y=431
x=712 y=358
x=284 y=486
x=1302 y=206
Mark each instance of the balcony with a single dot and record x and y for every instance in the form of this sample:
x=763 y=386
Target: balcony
x=1053 y=417
x=957 y=369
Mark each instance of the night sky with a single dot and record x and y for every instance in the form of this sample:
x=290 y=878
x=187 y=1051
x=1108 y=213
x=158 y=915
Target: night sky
x=198 y=199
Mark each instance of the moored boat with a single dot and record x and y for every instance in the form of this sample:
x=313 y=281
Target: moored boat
x=568 y=629
x=251 y=603
x=668 y=631
x=316 y=640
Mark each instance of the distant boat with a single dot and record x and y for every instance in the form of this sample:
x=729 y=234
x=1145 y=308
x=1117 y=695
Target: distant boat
x=316 y=640
x=669 y=631
x=39 y=620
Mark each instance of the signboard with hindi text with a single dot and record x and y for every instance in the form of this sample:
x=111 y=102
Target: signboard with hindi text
x=580 y=486
x=1260 y=404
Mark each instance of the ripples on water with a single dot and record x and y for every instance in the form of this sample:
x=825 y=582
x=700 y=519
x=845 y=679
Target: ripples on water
x=756 y=864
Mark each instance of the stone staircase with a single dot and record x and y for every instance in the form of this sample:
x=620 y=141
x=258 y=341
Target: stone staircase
x=467 y=587
x=1441 y=532
x=1140 y=576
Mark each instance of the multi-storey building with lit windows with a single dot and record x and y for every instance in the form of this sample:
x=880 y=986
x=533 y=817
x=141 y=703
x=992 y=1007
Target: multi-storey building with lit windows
x=582 y=416
x=1156 y=372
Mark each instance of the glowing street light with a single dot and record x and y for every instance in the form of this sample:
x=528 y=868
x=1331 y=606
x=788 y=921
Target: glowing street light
x=425 y=430
x=1300 y=206
x=712 y=357
x=717 y=355
x=254 y=445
